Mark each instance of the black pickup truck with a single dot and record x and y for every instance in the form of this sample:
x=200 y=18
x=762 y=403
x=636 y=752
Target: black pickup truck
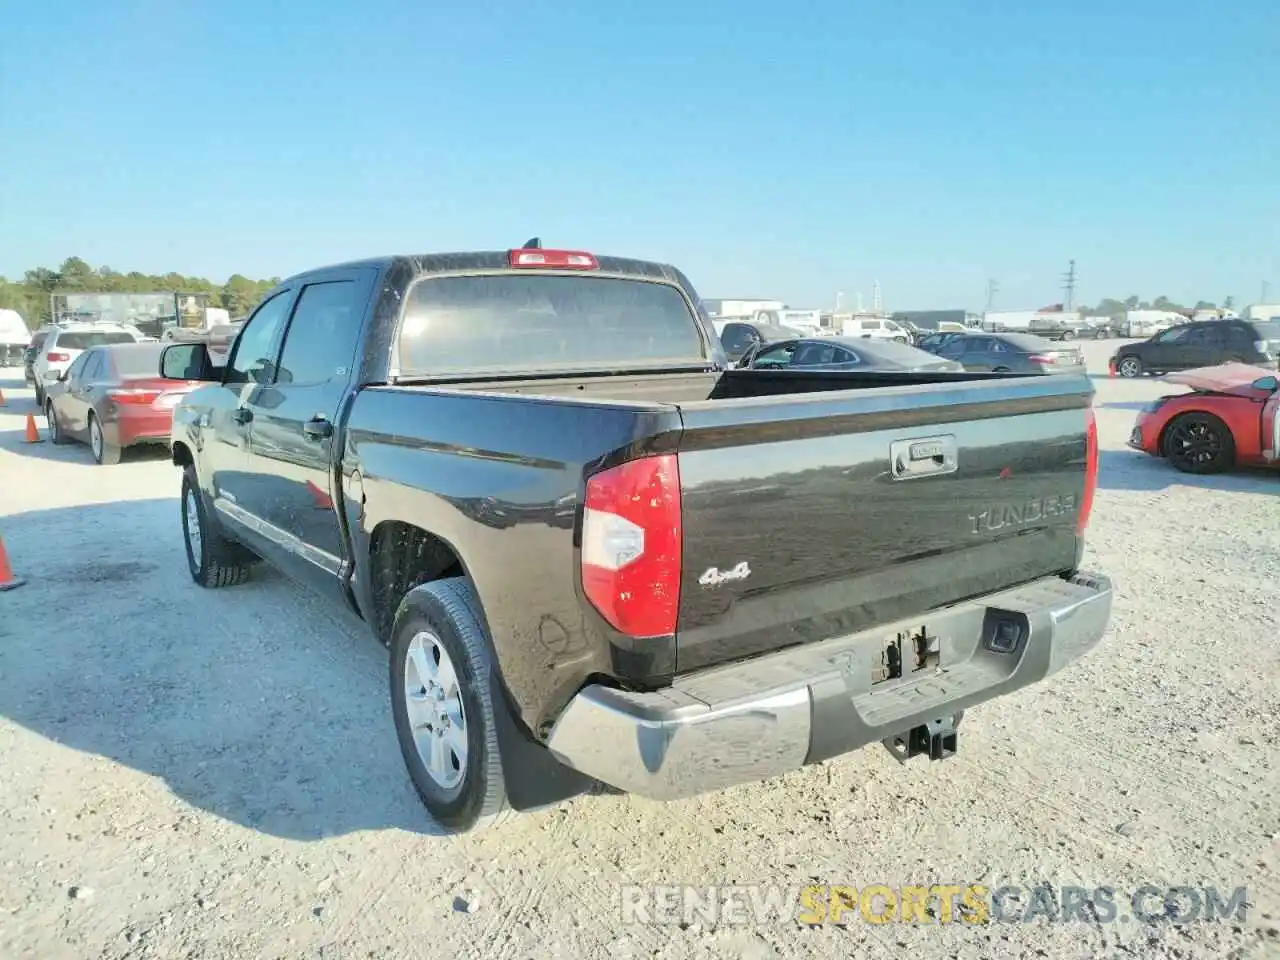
x=600 y=556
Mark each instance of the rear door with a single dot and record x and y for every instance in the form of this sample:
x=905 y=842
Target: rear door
x=976 y=353
x=294 y=427
x=1205 y=347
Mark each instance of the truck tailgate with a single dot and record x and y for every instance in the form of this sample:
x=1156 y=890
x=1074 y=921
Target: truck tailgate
x=811 y=516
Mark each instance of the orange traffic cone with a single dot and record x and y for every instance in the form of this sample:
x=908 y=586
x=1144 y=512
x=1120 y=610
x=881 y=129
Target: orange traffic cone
x=33 y=435
x=1111 y=368
x=3 y=401
x=7 y=580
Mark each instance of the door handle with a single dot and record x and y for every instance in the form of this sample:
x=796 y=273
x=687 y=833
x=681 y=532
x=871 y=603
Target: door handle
x=242 y=415
x=926 y=457
x=317 y=428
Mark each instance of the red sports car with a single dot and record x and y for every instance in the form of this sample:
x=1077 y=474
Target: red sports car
x=114 y=397
x=1231 y=418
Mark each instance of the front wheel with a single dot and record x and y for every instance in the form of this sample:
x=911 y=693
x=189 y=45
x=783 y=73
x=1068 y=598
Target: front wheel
x=444 y=703
x=1130 y=367
x=1199 y=443
x=103 y=452
x=55 y=429
x=212 y=559
x=1068 y=334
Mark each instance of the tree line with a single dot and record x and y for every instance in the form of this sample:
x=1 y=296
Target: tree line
x=1115 y=308
x=30 y=295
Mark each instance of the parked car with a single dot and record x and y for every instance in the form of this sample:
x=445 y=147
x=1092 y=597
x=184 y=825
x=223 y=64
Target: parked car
x=930 y=342
x=1012 y=353
x=111 y=398
x=738 y=336
x=845 y=353
x=1206 y=343
x=59 y=344
x=526 y=471
x=1231 y=418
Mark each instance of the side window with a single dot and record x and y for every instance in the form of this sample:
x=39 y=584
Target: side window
x=845 y=356
x=775 y=357
x=322 y=335
x=998 y=347
x=1175 y=335
x=254 y=354
x=77 y=367
x=975 y=344
x=93 y=366
x=1206 y=336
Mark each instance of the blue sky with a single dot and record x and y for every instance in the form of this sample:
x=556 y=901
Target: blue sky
x=787 y=150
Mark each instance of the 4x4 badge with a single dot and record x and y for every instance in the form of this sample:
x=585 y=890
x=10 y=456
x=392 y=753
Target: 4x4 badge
x=713 y=577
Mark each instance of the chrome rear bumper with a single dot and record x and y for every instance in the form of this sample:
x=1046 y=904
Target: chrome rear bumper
x=767 y=716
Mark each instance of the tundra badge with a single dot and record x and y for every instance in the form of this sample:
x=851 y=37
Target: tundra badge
x=713 y=577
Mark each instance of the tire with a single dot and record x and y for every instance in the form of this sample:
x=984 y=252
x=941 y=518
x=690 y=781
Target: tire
x=1198 y=443
x=441 y=625
x=1129 y=367
x=39 y=396
x=1068 y=334
x=1000 y=370
x=212 y=559
x=901 y=340
x=56 y=435
x=104 y=453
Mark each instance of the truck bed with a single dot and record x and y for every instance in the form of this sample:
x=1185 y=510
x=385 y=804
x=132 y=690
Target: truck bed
x=788 y=473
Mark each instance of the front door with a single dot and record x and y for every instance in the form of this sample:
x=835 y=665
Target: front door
x=1271 y=429
x=249 y=367
x=295 y=444
x=1165 y=351
x=69 y=402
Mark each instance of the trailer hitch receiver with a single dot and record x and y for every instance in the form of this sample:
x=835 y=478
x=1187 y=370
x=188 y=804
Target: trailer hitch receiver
x=936 y=739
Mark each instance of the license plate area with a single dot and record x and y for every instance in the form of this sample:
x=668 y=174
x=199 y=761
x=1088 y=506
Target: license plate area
x=907 y=655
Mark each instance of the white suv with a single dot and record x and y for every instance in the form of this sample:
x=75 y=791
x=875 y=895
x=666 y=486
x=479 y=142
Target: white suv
x=61 y=343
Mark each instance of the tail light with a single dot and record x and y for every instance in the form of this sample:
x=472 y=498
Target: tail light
x=1043 y=358
x=1090 y=470
x=564 y=259
x=631 y=545
x=57 y=356
x=134 y=396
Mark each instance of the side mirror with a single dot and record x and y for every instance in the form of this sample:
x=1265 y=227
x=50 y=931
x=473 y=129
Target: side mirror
x=1266 y=383
x=53 y=376
x=187 y=361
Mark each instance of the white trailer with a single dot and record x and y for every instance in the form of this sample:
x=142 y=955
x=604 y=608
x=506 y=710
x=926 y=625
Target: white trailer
x=14 y=338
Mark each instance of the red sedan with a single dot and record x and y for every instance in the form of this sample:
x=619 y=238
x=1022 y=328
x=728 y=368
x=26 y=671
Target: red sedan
x=114 y=397
x=1231 y=418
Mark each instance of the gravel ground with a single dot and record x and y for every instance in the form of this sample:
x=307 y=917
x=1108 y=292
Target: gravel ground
x=204 y=774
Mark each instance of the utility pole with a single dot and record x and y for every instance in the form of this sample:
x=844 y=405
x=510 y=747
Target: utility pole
x=993 y=287
x=875 y=298
x=1069 y=287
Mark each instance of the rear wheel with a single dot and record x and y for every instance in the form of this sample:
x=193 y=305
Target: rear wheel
x=1068 y=334
x=212 y=559
x=1199 y=443
x=39 y=395
x=104 y=452
x=1129 y=367
x=444 y=703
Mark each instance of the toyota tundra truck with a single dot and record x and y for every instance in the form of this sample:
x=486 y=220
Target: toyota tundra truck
x=603 y=559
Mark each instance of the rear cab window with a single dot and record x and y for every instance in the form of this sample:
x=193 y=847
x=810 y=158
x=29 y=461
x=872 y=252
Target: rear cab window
x=497 y=322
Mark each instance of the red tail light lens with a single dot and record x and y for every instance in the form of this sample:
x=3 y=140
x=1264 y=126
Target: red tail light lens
x=631 y=545
x=56 y=356
x=563 y=259
x=1090 y=470
x=1042 y=358
x=134 y=396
